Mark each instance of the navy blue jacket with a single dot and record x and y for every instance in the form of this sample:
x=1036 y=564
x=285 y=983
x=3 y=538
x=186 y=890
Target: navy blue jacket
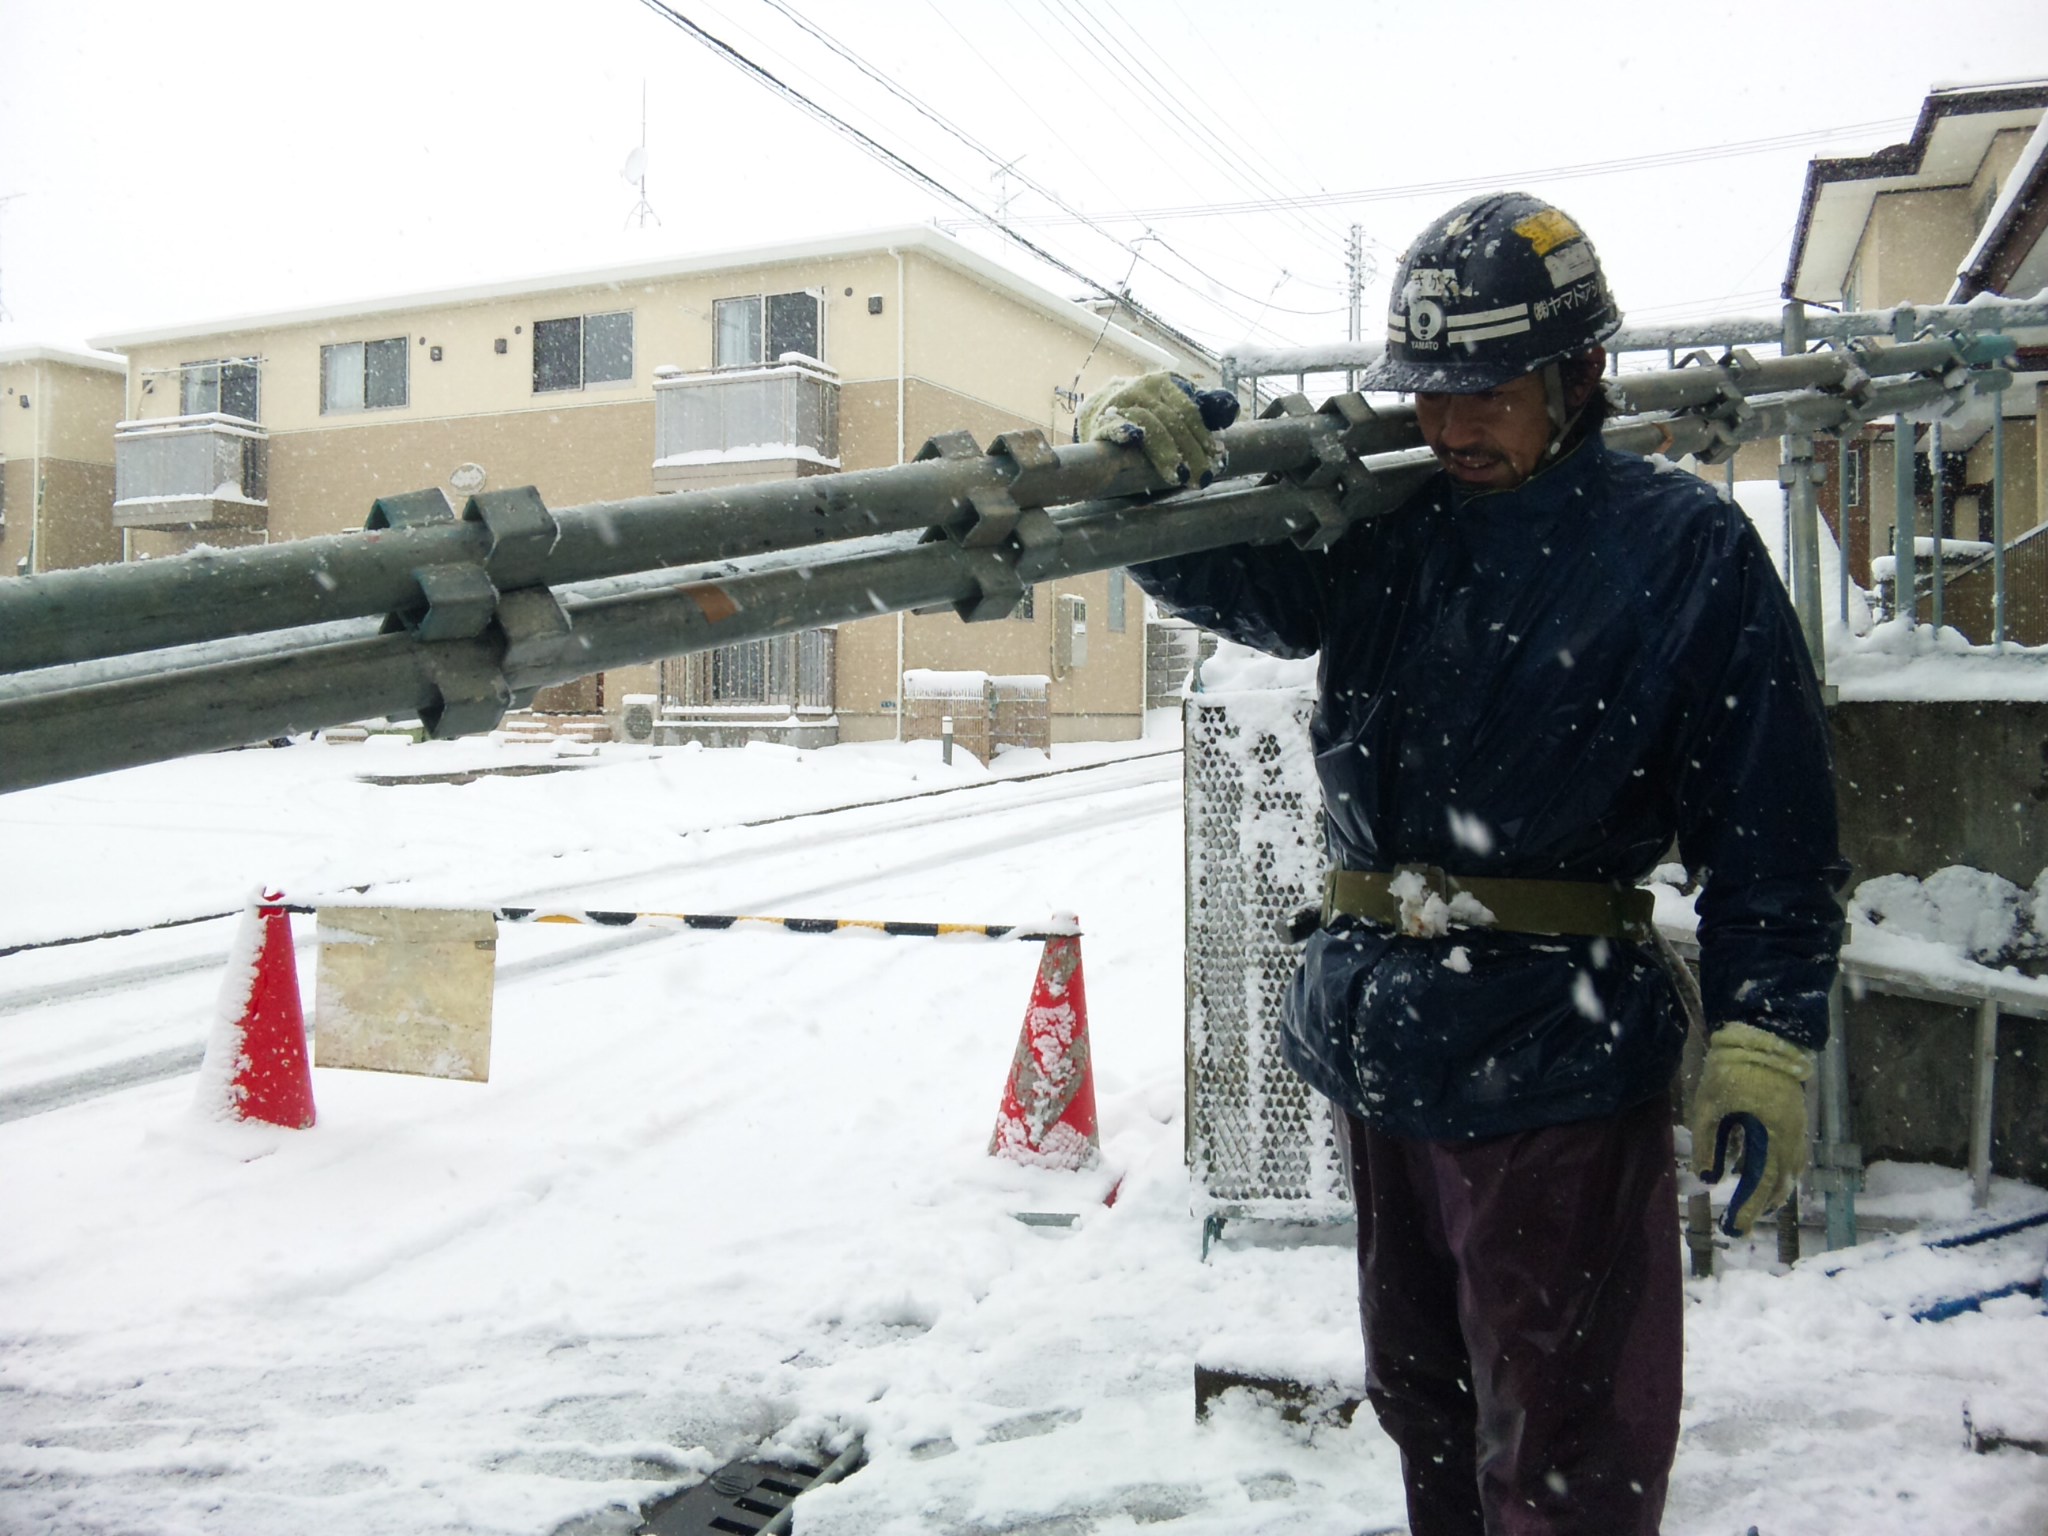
x=1547 y=683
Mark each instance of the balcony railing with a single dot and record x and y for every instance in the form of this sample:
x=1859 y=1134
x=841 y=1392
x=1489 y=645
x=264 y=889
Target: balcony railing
x=788 y=675
x=191 y=472
x=788 y=411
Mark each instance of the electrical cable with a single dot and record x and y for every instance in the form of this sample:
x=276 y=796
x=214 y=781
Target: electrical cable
x=940 y=120
x=1094 y=221
x=1272 y=171
x=897 y=163
x=1101 y=52
x=1582 y=170
x=1112 y=50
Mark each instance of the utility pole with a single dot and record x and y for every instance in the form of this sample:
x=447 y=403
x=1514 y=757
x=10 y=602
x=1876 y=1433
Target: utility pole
x=1001 y=177
x=1356 y=274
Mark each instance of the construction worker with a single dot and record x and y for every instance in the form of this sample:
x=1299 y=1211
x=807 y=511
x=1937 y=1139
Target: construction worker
x=1549 y=664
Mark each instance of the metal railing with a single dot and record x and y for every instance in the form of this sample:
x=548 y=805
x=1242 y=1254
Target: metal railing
x=788 y=410
x=191 y=471
x=1792 y=333
x=793 y=673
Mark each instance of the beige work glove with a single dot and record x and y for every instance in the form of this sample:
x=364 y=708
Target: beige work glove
x=1166 y=416
x=1754 y=1085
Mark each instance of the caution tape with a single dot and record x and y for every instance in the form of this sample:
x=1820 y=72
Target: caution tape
x=719 y=921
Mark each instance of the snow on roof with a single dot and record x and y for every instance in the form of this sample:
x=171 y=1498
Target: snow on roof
x=1970 y=87
x=76 y=357
x=920 y=238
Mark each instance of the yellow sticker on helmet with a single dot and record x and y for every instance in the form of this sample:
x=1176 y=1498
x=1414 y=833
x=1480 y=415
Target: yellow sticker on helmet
x=1547 y=230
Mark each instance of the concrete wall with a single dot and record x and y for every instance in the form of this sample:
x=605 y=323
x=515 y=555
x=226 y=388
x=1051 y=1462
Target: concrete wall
x=1923 y=786
x=1910 y=1080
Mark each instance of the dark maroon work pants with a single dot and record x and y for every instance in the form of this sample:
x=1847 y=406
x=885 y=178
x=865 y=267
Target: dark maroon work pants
x=1522 y=1300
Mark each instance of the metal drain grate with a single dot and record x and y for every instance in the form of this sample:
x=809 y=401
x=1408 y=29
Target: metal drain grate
x=743 y=1498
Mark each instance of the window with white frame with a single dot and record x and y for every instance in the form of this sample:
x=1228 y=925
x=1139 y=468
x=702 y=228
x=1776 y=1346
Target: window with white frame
x=582 y=350
x=364 y=376
x=1115 y=616
x=226 y=386
x=761 y=327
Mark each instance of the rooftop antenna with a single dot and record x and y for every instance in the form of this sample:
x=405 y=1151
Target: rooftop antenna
x=636 y=170
x=5 y=313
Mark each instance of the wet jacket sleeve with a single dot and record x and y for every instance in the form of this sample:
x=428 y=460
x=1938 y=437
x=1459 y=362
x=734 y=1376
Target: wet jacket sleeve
x=1757 y=807
x=1267 y=596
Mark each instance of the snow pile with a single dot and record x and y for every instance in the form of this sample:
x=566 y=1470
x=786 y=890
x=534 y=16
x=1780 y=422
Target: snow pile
x=1982 y=917
x=1238 y=668
x=1898 y=660
x=1763 y=503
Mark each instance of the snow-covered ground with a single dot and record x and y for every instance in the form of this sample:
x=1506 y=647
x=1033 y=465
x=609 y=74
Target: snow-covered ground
x=724 y=1190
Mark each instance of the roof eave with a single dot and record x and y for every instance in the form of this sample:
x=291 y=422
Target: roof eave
x=917 y=237
x=1900 y=159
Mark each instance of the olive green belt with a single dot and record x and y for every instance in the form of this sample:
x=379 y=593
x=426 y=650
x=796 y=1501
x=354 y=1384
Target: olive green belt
x=1422 y=901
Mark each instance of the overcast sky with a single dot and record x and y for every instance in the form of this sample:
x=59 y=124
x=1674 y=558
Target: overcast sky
x=181 y=162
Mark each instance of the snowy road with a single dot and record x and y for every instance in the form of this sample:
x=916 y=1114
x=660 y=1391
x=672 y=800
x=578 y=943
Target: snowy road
x=728 y=1187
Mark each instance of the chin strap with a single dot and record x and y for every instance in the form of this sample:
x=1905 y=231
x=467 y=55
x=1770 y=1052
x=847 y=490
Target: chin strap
x=1562 y=418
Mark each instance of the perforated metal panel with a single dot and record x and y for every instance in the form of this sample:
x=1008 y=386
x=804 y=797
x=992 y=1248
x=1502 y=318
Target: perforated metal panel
x=1261 y=1143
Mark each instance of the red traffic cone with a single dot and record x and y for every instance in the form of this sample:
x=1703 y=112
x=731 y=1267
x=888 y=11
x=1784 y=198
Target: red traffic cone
x=1048 y=1113
x=256 y=1066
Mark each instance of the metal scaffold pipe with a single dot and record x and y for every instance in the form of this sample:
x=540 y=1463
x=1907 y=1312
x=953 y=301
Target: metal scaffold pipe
x=455 y=621
x=415 y=550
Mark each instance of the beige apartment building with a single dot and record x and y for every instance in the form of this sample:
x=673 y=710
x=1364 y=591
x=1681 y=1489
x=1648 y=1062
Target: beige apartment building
x=663 y=376
x=1957 y=210
x=57 y=414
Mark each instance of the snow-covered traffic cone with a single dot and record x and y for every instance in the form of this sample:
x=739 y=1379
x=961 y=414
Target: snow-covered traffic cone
x=256 y=1066
x=1048 y=1113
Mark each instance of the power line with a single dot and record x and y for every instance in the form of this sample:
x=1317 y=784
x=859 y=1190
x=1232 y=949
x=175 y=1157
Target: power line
x=1492 y=180
x=1214 y=147
x=1230 y=140
x=1009 y=167
x=874 y=147
x=1087 y=165
x=1101 y=50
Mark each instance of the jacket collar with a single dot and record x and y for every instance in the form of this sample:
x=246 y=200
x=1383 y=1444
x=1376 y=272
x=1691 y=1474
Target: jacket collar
x=1547 y=491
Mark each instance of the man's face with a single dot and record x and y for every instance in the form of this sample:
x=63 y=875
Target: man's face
x=1490 y=441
